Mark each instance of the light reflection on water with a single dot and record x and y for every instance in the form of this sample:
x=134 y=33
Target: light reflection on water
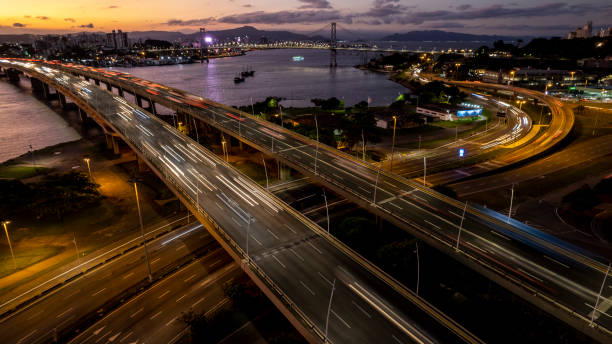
x=276 y=74
x=26 y=121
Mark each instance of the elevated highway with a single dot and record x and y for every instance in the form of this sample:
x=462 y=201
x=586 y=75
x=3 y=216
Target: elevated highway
x=555 y=276
x=294 y=262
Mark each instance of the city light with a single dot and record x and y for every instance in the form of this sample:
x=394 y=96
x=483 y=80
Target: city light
x=461 y=152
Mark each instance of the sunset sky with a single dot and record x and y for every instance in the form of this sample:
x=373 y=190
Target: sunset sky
x=532 y=17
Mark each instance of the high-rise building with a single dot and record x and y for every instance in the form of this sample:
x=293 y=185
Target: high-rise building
x=582 y=32
x=117 y=40
x=605 y=32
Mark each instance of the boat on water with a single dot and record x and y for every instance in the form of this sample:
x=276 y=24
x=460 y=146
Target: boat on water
x=247 y=72
x=238 y=79
x=298 y=58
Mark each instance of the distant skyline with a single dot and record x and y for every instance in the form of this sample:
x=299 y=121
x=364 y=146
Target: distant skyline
x=520 y=17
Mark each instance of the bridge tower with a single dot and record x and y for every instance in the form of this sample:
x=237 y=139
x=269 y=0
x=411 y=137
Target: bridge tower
x=332 y=46
x=203 y=46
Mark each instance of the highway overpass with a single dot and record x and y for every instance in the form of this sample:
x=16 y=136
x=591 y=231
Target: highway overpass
x=555 y=276
x=308 y=274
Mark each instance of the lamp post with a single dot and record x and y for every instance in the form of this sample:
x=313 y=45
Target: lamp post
x=329 y=310
x=326 y=209
x=512 y=79
x=89 y=168
x=393 y=143
x=4 y=223
x=144 y=242
x=317 y=150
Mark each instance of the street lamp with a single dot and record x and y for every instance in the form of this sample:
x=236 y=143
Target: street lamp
x=144 y=242
x=4 y=223
x=520 y=103
x=512 y=79
x=88 y=168
x=393 y=143
x=546 y=88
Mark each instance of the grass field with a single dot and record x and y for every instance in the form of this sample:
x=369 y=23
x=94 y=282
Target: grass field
x=21 y=171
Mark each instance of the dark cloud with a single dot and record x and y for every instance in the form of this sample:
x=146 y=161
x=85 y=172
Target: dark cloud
x=315 y=4
x=464 y=7
x=113 y=6
x=42 y=17
x=87 y=26
x=69 y=20
x=285 y=17
x=445 y=25
x=247 y=5
x=27 y=16
x=19 y=25
x=190 y=22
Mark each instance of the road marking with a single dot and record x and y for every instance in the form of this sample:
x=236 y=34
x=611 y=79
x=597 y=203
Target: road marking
x=392 y=185
x=138 y=311
x=254 y=238
x=598 y=311
x=530 y=275
x=236 y=222
x=302 y=259
x=214 y=263
x=337 y=176
x=305 y=286
x=501 y=235
x=104 y=336
x=362 y=310
x=155 y=315
x=364 y=190
x=38 y=313
x=164 y=294
x=556 y=261
x=98 y=292
x=197 y=302
x=431 y=224
x=313 y=246
x=64 y=313
x=128 y=275
x=291 y=229
x=325 y=279
x=126 y=336
x=395 y=205
x=98 y=330
x=26 y=336
x=181 y=247
x=342 y=320
x=459 y=216
x=396 y=339
x=189 y=278
x=219 y=205
x=421 y=198
x=274 y=235
x=279 y=262
x=72 y=294
x=155 y=260
x=170 y=322
x=180 y=298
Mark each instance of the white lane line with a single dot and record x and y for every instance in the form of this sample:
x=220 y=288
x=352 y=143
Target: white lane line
x=452 y=212
x=598 y=311
x=339 y=318
x=291 y=229
x=236 y=222
x=392 y=185
x=337 y=176
x=39 y=312
x=155 y=260
x=164 y=294
x=26 y=336
x=128 y=275
x=274 y=235
x=362 y=310
x=325 y=279
x=306 y=287
x=170 y=322
x=189 y=278
x=501 y=235
x=112 y=339
x=395 y=205
x=180 y=298
x=254 y=238
x=219 y=205
x=98 y=292
x=556 y=261
x=72 y=294
x=64 y=313
x=279 y=262
x=181 y=247
x=155 y=315
x=138 y=311
x=214 y=263
x=431 y=224
x=197 y=302
x=313 y=246
x=421 y=198
x=302 y=258
x=103 y=337
x=528 y=274
x=364 y=190
x=396 y=339
x=126 y=337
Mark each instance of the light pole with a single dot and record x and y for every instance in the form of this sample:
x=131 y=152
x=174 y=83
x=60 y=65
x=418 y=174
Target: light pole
x=419 y=143
x=76 y=248
x=144 y=242
x=247 y=236
x=329 y=310
x=317 y=150
x=416 y=243
x=461 y=227
x=89 y=168
x=363 y=144
x=393 y=143
x=512 y=79
x=599 y=295
x=511 y=200
x=376 y=186
x=327 y=209
x=4 y=223
x=424 y=170
x=265 y=170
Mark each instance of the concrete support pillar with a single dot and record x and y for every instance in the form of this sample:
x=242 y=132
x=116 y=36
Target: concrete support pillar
x=284 y=172
x=152 y=107
x=86 y=78
x=46 y=92
x=97 y=82
x=109 y=87
x=138 y=100
x=82 y=116
x=142 y=166
x=240 y=145
x=37 y=85
x=120 y=92
x=13 y=75
x=109 y=140
x=115 y=145
x=62 y=100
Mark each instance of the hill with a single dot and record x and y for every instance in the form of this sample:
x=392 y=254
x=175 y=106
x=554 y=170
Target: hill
x=443 y=36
